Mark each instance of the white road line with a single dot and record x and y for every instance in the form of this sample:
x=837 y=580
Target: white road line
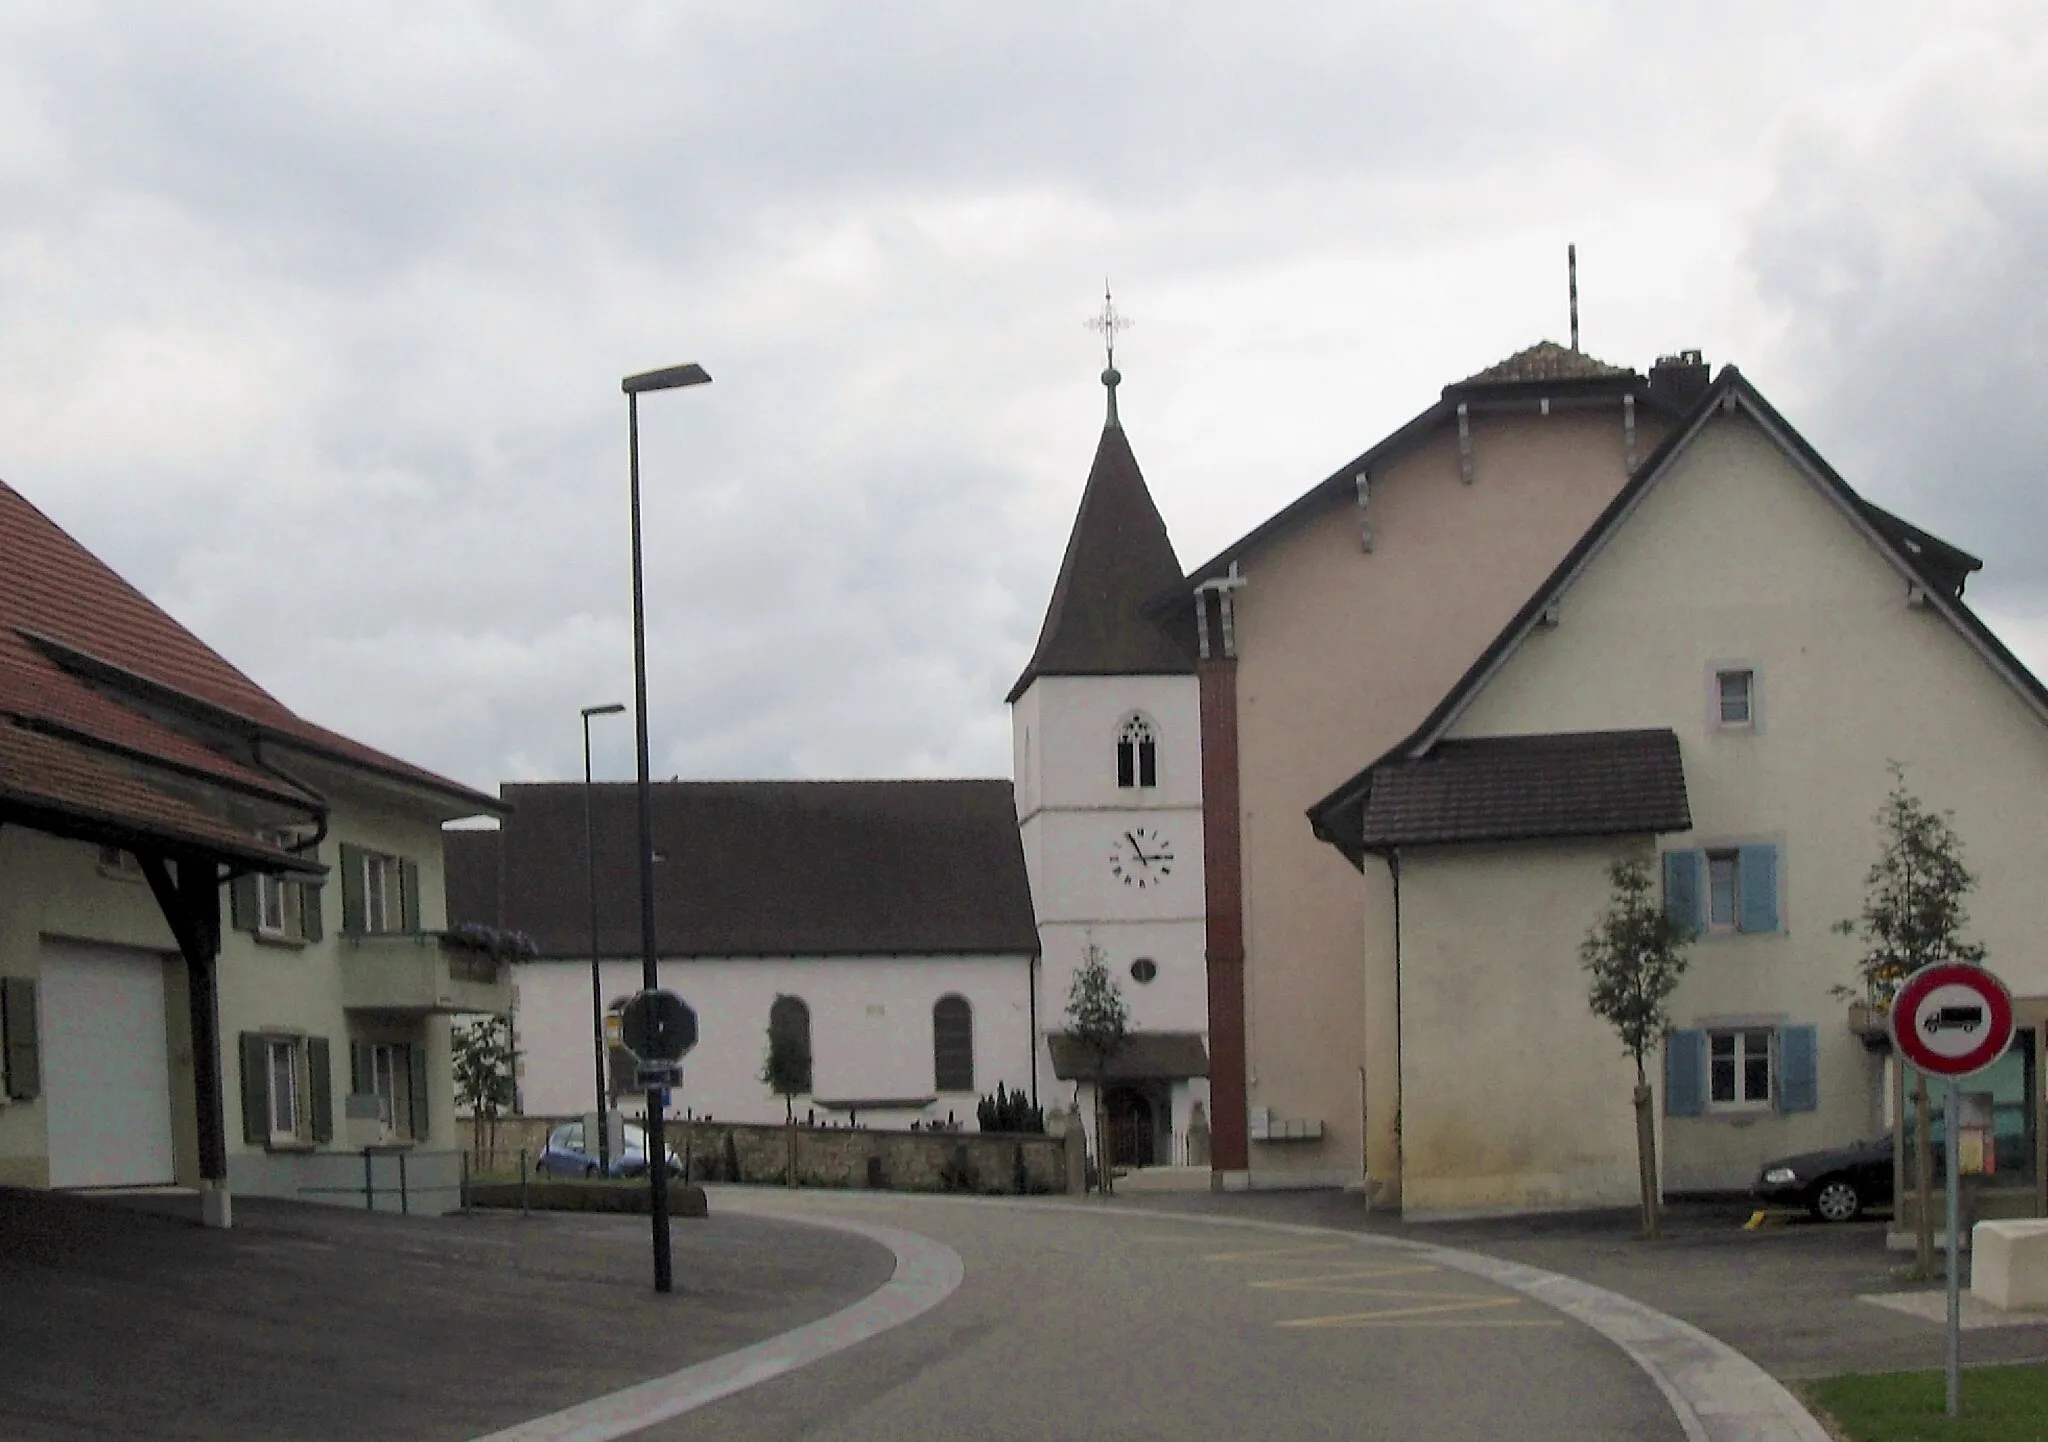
x=927 y=1272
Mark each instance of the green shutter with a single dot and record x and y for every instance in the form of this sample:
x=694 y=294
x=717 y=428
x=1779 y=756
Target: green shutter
x=1757 y=869
x=1685 y=1073
x=243 y=911
x=409 y=896
x=358 y=1067
x=351 y=890
x=24 y=1044
x=309 y=910
x=420 y=1113
x=255 y=1089
x=1798 y=1068
x=321 y=1081
x=1682 y=891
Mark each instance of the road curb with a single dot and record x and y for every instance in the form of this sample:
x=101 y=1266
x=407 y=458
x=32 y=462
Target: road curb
x=927 y=1272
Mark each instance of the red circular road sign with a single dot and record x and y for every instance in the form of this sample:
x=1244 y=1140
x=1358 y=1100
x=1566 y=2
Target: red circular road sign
x=1951 y=1019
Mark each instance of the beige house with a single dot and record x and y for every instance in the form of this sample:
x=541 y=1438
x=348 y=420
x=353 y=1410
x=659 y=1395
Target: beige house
x=221 y=959
x=1326 y=635
x=1717 y=674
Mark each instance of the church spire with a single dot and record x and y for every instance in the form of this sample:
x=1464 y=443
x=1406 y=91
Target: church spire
x=1109 y=323
x=1118 y=561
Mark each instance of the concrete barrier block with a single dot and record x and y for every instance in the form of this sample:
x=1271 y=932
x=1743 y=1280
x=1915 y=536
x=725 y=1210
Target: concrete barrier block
x=2009 y=1264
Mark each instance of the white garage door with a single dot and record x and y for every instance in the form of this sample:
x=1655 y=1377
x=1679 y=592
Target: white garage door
x=106 y=1067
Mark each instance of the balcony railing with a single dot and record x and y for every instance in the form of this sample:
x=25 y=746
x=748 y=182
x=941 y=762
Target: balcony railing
x=421 y=971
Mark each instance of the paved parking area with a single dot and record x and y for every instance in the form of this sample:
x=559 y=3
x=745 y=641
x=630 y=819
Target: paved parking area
x=1786 y=1295
x=320 y=1323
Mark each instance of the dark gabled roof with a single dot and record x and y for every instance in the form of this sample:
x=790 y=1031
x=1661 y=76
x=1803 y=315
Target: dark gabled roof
x=1144 y=1056
x=1937 y=567
x=758 y=868
x=1516 y=788
x=1545 y=369
x=1118 y=557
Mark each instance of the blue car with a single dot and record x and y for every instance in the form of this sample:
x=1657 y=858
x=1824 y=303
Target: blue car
x=564 y=1155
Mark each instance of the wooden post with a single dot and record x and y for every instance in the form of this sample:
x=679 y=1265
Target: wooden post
x=1646 y=1157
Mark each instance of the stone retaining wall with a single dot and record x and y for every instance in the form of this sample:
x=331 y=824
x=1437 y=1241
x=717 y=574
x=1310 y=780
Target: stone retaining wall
x=995 y=1163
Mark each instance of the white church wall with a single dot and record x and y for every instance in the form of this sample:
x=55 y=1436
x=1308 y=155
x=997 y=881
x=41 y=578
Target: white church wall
x=1074 y=722
x=871 y=1031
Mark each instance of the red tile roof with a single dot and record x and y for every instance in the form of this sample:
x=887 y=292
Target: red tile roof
x=90 y=663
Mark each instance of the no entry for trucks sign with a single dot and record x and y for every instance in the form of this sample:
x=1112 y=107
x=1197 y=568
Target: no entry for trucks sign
x=1952 y=1020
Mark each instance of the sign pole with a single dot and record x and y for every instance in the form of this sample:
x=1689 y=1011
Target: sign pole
x=1951 y=1107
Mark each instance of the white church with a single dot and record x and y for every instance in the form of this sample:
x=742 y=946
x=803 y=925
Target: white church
x=921 y=935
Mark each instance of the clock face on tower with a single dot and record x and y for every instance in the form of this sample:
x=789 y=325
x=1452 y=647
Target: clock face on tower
x=1141 y=857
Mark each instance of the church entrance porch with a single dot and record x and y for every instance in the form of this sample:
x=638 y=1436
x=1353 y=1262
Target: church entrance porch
x=1138 y=1119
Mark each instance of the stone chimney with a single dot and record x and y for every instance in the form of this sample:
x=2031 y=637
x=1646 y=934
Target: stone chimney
x=1680 y=379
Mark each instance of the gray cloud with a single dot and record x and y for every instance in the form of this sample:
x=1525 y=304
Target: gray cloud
x=312 y=325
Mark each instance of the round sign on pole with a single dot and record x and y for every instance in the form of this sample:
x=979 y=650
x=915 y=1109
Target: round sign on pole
x=1952 y=1019
x=658 y=1026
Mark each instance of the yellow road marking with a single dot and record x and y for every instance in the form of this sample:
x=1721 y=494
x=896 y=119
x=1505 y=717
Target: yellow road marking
x=1323 y=1283
x=1463 y=1304
x=1262 y=1254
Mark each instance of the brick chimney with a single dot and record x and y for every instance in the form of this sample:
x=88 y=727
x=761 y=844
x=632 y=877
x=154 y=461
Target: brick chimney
x=1680 y=379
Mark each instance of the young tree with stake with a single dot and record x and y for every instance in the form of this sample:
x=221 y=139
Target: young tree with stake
x=1636 y=956
x=786 y=1071
x=1912 y=917
x=1098 y=1020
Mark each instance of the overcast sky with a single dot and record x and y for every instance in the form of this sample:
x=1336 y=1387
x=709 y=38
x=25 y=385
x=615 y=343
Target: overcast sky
x=312 y=318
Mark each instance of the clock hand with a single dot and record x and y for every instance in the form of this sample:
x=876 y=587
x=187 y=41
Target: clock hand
x=1137 y=850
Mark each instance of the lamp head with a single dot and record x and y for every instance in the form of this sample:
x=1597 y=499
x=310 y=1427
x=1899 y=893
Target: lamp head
x=612 y=710
x=665 y=380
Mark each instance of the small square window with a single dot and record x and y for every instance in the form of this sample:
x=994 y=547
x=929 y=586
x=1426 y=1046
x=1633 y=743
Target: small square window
x=1737 y=692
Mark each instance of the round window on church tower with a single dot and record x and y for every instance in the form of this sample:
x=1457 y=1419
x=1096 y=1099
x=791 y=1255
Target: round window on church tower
x=1144 y=969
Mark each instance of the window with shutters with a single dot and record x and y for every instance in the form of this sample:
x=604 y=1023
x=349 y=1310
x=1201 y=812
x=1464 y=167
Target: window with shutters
x=391 y=1082
x=380 y=892
x=1739 y=1069
x=1725 y=890
x=953 y=1045
x=1137 y=754
x=287 y=1096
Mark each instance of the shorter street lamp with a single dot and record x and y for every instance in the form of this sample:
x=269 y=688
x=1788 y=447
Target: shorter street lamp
x=604 y=1131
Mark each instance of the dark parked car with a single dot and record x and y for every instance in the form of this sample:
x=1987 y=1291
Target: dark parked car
x=564 y=1155
x=1835 y=1186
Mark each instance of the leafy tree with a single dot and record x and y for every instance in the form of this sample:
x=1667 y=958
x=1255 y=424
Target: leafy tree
x=485 y=1063
x=786 y=1071
x=1635 y=953
x=1098 y=1020
x=1913 y=916
x=1913 y=912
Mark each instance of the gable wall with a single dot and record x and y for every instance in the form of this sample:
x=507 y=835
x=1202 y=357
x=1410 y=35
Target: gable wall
x=1736 y=557
x=1341 y=653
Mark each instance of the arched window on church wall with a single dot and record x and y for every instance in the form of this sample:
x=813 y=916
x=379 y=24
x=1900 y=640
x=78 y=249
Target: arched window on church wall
x=953 y=1044
x=1137 y=754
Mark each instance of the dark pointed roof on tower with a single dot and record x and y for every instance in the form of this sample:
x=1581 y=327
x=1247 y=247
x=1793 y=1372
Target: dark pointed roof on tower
x=1118 y=557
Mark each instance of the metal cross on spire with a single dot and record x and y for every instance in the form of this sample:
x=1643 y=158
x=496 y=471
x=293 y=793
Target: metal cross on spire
x=1108 y=324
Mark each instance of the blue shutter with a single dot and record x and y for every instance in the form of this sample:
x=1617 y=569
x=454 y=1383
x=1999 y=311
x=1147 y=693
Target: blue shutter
x=1682 y=890
x=1758 y=867
x=1798 y=1068
x=1685 y=1073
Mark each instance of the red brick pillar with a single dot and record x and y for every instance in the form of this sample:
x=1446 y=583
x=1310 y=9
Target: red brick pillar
x=1223 y=865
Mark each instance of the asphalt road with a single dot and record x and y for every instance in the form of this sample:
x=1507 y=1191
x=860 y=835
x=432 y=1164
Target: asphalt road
x=1116 y=1328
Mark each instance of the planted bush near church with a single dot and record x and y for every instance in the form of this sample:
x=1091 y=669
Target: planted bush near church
x=1009 y=1111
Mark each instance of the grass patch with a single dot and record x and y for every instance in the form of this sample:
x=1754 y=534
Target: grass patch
x=2000 y=1404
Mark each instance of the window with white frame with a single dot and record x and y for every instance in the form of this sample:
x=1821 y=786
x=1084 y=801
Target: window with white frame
x=381 y=892
x=391 y=1081
x=283 y=1054
x=1137 y=754
x=1724 y=890
x=1735 y=698
x=1739 y=1069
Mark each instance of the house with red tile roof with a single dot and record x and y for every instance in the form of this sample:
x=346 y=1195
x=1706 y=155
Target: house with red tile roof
x=222 y=952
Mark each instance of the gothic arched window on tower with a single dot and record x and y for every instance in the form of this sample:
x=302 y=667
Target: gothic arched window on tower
x=1137 y=754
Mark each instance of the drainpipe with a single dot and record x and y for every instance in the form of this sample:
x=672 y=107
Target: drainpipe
x=1394 y=870
x=1031 y=983
x=321 y=804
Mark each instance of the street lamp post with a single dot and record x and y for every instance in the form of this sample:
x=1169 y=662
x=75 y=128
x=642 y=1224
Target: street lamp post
x=604 y=1131
x=671 y=378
